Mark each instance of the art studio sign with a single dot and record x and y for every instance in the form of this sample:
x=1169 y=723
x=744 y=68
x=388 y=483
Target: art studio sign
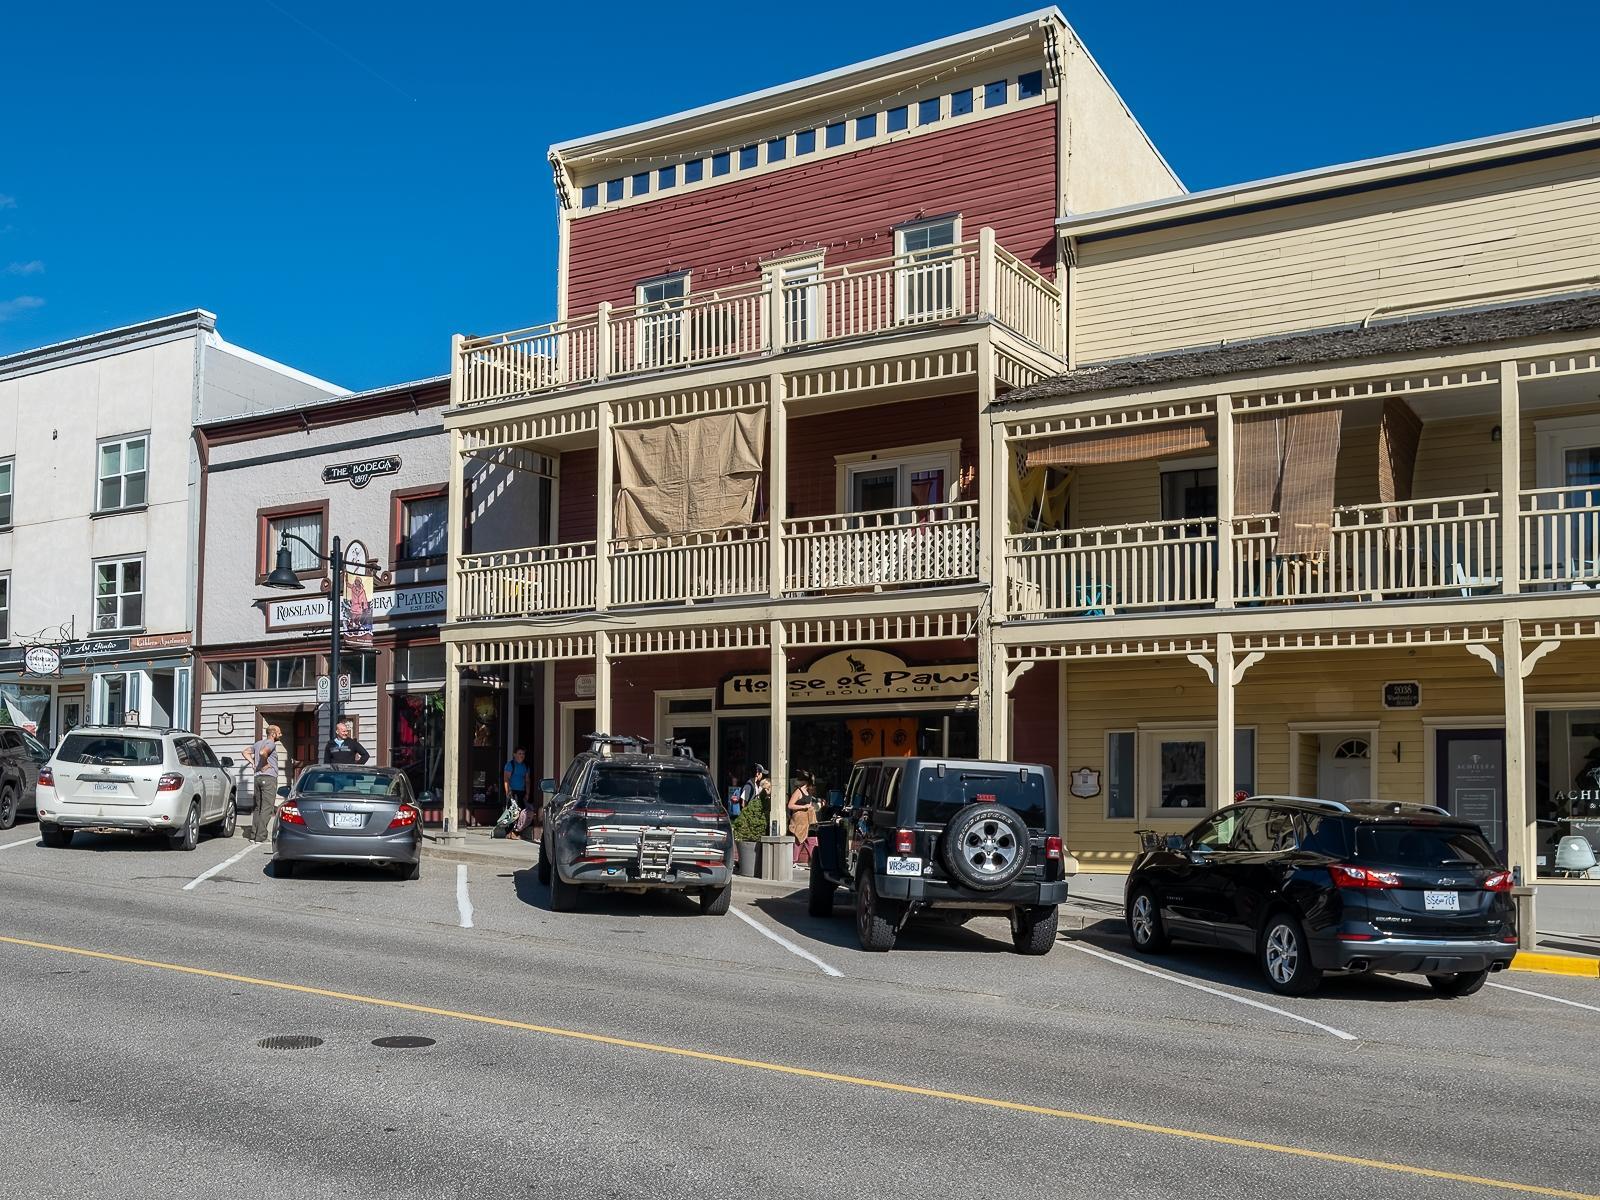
x=857 y=675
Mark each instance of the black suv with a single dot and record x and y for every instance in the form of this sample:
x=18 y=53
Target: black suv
x=956 y=836
x=1311 y=886
x=627 y=819
x=21 y=756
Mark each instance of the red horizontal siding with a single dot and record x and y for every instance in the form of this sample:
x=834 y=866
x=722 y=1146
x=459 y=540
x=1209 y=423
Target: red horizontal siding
x=815 y=441
x=1035 y=720
x=575 y=507
x=999 y=172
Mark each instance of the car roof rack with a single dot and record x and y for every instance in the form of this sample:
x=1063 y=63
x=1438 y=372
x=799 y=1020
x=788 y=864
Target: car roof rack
x=1330 y=805
x=612 y=743
x=680 y=748
x=1397 y=806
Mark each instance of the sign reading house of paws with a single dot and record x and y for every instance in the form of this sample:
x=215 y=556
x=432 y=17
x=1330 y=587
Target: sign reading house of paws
x=858 y=675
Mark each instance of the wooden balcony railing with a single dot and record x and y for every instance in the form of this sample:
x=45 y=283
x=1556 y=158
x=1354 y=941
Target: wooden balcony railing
x=1157 y=564
x=525 y=583
x=1561 y=537
x=786 y=308
x=926 y=545
x=687 y=567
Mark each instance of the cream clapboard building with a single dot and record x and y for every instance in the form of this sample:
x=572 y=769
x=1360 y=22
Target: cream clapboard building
x=1302 y=496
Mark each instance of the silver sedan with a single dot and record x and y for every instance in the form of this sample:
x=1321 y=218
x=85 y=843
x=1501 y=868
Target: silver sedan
x=350 y=814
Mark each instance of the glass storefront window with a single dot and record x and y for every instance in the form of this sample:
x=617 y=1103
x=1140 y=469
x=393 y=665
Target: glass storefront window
x=417 y=743
x=1566 y=793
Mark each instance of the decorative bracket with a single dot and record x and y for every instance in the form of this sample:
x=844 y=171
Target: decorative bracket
x=1205 y=664
x=1532 y=657
x=1244 y=664
x=1018 y=671
x=1489 y=656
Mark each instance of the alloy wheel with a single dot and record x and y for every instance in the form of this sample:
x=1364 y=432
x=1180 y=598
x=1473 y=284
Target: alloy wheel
x=1283 y=953
x=990 y=847
x=1142 y=919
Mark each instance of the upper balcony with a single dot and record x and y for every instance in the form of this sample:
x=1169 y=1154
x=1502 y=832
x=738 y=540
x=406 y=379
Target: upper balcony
x=790 y=307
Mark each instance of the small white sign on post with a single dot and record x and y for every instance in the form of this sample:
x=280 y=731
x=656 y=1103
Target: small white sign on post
x=324 y=689
x=344 y=686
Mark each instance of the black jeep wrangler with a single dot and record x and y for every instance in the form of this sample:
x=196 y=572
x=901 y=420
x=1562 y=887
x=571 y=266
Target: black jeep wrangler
x=954 y=837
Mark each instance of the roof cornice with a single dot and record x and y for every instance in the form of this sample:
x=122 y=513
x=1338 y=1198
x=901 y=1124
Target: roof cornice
x=27 y=362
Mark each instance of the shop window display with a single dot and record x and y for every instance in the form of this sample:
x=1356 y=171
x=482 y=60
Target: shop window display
x=1567 y=793
x=417 y=745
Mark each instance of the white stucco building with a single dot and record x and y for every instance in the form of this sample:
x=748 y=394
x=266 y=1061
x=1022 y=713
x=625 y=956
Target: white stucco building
x=100 y=514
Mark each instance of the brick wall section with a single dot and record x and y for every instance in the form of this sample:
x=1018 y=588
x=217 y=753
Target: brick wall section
x=814 y=441
x=999 y=172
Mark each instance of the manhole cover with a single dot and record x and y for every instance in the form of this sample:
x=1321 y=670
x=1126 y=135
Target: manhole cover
x=402 y=1043
x=290 y=1041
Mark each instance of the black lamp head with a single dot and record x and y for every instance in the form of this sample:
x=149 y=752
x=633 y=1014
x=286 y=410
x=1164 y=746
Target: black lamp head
x=283 y=575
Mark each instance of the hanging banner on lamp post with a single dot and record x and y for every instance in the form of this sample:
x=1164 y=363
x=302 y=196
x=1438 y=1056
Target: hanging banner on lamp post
x=355 y=611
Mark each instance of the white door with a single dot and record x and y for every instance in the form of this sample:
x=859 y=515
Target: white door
x=1344 y=767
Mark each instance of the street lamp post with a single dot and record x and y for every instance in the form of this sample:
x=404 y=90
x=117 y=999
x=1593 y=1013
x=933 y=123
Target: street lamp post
x=284 y=578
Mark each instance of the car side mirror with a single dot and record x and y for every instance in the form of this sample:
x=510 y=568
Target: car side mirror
x=1176 y=843
x=227 y=762
x=547 y=786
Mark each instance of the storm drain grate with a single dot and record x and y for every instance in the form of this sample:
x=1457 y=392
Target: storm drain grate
x=402 y=1043
x=290 y=1041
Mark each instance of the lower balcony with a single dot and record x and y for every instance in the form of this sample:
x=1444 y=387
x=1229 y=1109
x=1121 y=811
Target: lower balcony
x=924 y=546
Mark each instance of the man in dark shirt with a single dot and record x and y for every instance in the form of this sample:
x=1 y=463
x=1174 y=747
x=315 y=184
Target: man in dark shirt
x=344 y=748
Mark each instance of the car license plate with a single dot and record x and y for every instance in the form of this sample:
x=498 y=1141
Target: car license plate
x=652 y=874
x=1442 y=901
x=348 y=820
x=105 y=787
x=905 y=866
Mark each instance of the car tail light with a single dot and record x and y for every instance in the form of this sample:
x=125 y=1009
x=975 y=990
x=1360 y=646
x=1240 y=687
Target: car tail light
x=1346 y=876
x=1500 y=881
x=289 y=814
x=1511 y=940
x=170 y=782
x=47 y=777
x=592 y=814
x=1052 y=848
x=404 y=818
x=1357 y=937
x=905 y=841
x=708 y=816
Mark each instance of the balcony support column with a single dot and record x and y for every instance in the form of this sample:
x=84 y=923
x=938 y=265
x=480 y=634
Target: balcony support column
x=602 y=682
x=778 y=747
x=1224 y=501
x=777 y=482
x=604 y=508
x=1521 y=835
x=456 y=507
x=453 y=742
x=992 y=481
x=1222 y=793
x=988 y=266
x=602 y=341
x=1510 y=488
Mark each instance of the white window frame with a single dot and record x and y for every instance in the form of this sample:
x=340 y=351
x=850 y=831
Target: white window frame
x=799 y=276
x=1147 y=767
x=907 y=269
x=5 y=606
x=661 y=334
x=906 y=460
x=1106 y=779
x=120 y=594
x=666 y=719
x=123 y=474
x=1554 y=438
x=8 y=466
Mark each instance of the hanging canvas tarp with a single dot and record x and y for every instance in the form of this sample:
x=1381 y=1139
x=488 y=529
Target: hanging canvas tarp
x=685 y=476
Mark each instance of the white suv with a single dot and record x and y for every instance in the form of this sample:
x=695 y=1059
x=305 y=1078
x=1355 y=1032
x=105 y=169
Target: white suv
x=134 y=779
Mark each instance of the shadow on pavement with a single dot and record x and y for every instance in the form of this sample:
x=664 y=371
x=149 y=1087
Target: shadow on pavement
x=839 y=930
x=658 y=903
x=336 y=872
x=138 y=843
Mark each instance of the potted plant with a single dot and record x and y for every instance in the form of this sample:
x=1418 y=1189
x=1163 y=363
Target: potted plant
x=749 y=827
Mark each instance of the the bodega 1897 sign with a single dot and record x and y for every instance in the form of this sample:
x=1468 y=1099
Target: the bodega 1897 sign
x=359 y=474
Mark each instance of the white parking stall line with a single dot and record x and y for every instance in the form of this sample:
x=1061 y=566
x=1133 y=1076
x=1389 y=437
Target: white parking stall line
x=221 y=866
x=463 y=901
x=1201 y=987
x=787 y=944
x=1506 y=987
x=33 y=841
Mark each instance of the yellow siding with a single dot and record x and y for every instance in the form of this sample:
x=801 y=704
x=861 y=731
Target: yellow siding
x=1116 y=494
x=1457 y=458
x=1327 y=687
x=1332 y=262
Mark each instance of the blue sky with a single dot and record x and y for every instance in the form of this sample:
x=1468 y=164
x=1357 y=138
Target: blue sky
x=346 y=184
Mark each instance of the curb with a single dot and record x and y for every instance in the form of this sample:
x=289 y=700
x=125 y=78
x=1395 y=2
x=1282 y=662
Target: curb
x=1556 y=964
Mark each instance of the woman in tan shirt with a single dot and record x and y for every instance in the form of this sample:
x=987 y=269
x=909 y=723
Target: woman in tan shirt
x=802 y=814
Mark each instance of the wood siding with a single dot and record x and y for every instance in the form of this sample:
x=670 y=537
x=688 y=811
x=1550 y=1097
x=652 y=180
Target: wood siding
x=999 y=172
x=1330 y=262
x=575 y=506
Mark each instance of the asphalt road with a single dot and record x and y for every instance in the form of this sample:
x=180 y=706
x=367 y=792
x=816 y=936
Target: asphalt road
x=636 y=1048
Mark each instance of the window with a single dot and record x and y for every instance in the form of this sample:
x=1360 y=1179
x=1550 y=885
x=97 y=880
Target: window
x=416 y=663
x=234 y=676
x=777 y=150
x=898 y=118
x=961 y=102
x=5 y=608
x=1219 y=831
x=667 y=177
x=1120 y=755
x=1175 y=769
x=122 y=474
x=660 y=335
x=420 y=522
x=833 y=135
x=309 y=524
x=866 y=127
x=119 y=594
x=926 y=279
x=1244 y=762
x=805 y=141
x=298 y=671
x=721 y=163
x=800 y=302
x=994 y=94
x=591 y=195
x=927 y=111
x=911 y=477
x=694 y=170
x=613 y=189
x=361 y=666
x=1030 y=84
x=748 y=156
x=7 y=470
x=641 y=183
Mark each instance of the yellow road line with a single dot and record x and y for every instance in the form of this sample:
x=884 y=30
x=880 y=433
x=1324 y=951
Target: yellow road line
x=881 y=1085
x=1556 y=964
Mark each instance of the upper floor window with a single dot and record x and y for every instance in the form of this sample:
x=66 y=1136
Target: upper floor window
x=926 y=283
x=361 y=666
x=307 y=523
x=805 y=141
x=961 y=102
x=420 y=519
x=297 y=671
x=694 y=170
x=866 y=127
x=7 y=471
x=748 y=157
x=591 y=195
x=994 y=94
x=777 y=150
x=927 y=111
x=667 y=177
x=118 y=594
x=833 y=135
x=5 y=608
x=238 y=676
x=613 y=189
x=1030 y=84
x=899 y=118
x=122 y=474
x=722 y=163
x=660 y=333
x=641 y=183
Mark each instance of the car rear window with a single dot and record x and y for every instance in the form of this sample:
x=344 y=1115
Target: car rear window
x=664 y=787
x=350 y=783
x=110 y=748
x=940 y=797
x=1422 y=846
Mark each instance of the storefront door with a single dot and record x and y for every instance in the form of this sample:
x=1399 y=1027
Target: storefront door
x=1470 y=780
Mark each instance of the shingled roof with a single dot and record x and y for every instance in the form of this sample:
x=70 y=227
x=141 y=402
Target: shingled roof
x=1342 y=343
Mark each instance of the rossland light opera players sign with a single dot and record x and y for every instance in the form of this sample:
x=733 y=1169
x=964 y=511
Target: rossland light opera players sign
x=387 y=605
x=859 y=675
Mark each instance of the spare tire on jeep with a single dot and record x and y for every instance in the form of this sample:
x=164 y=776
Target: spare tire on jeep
x=985 y=846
